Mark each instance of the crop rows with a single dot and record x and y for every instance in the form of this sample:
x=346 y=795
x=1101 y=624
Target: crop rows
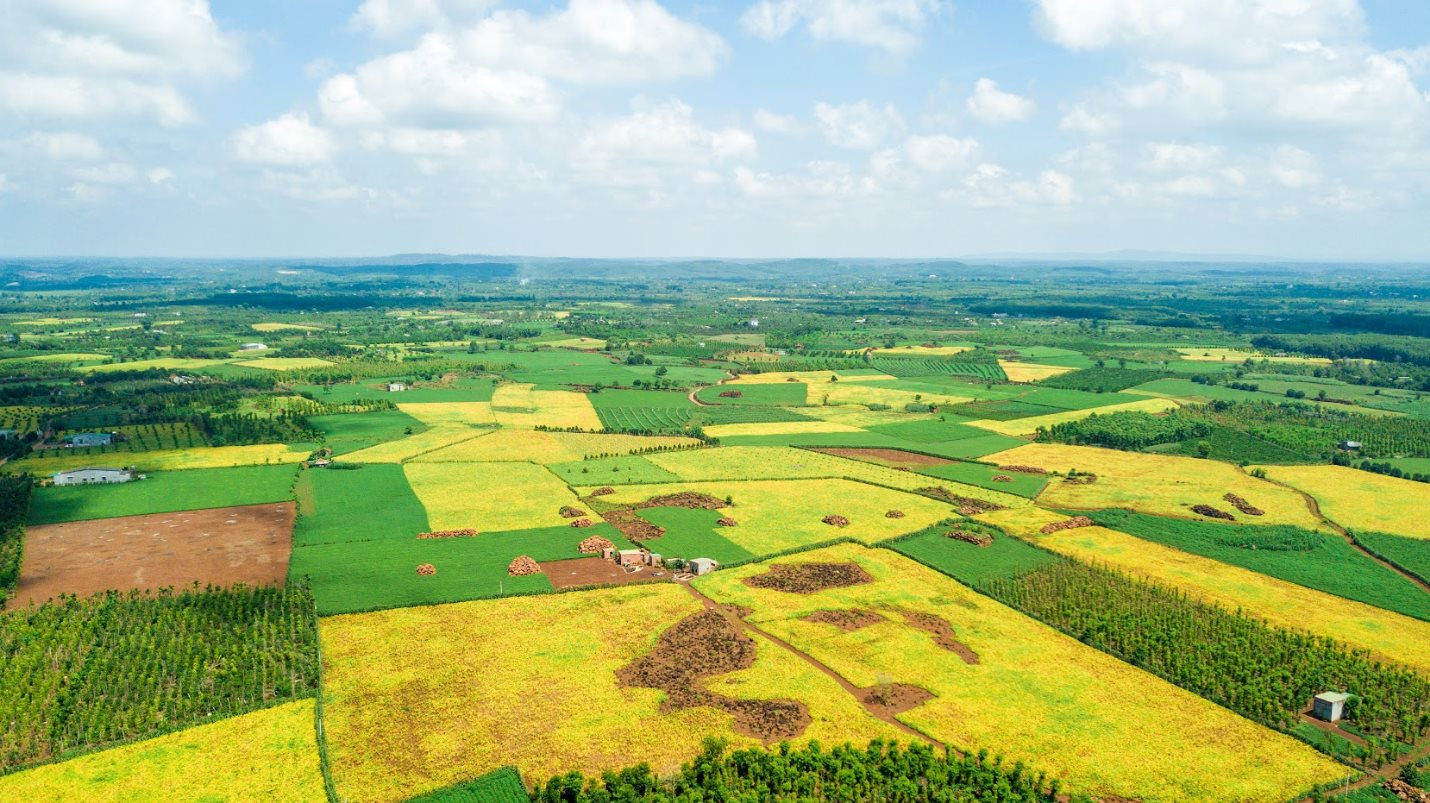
x=76 y=673
x=930 y=366
x=149 y=437
x=671 y=419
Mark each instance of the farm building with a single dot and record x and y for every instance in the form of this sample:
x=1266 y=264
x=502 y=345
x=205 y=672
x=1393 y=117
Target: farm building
x=90 y=439
x=702 y=565
x=396 y=387
x=93 y=476
x=1329 y=705
x=1347 y=446
x=252 y=347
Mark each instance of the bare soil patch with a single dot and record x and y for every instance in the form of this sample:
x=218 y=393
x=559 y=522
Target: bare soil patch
x=942 y=632
x=631 y=525
x=848 y=621
x=1066 y=524
x=1212 y=513
x=893 y=458
x=247 y=544
x=967 y=506
x=685 y=499
x=810 y=578
x=895 y=698
x=596 y=571
x=1244 y=506
x=702 y=645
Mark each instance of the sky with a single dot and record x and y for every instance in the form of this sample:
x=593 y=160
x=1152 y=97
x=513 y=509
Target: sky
x=739 y=128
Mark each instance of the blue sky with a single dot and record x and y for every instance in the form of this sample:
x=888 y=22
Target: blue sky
x=902 y=128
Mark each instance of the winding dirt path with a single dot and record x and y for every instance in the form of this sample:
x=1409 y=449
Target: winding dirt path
x=699 y=403
x=857 y=692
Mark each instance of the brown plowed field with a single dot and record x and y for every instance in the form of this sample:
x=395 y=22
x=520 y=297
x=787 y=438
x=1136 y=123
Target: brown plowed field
x=222 y=546
x=596 y=571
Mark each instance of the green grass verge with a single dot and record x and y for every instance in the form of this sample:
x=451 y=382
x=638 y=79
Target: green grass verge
x=165 y=492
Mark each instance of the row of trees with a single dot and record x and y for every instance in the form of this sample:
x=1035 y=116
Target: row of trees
x=14 y=509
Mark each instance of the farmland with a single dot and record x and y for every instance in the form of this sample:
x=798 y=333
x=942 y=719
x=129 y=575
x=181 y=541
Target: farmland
x=1359 y=500
x=165 y=491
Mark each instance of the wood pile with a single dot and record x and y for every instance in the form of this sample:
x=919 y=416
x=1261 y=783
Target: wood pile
x=522 y=566
x=726 y=521
x=1212 y=513
x=1404 y=791
x=894 y=514
x=595 y=544
x=685 y=499
x=1244 y=506
x=426 y=570
x=467 y=532
x=969 y=537
x=604 y=491
x=1002 y=478
x=569 y=512
x=835 y=521
x=967 y=506
x=583 y=523
x=1066 y=524
x=731 y=394
x=1023 y=469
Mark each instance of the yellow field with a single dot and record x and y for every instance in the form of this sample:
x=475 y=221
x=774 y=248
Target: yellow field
x=489 y=496
x=50 y=321
x=857 y=416
x=1208 y=354
x=922 y=351
x=1153 y=483
x=163 y=363
x=770 y=377
x=403 y=721
x=1361 y=500
x=64 y=357
x=1031 y=372
x=169 y=459
x=1390 y=635
x=778 y=428
x=524 y=445
x=870 y=393
x=576 y=343
x=413 y=446
x=776 y=515
x=522 y=406
x=1100 y=725
x=266 y=755
x=451 y=414
x=285 y=363
x=284 y=327
x=782 y=462
x=1029 y=425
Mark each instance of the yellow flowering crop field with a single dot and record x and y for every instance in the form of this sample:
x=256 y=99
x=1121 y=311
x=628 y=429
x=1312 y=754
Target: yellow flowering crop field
x=270 y=754
x=521 y=405
x=922 y=351
x=1151 y=483
x=1031 y=372
x=576 y=343
x=1387 y=634
x=1361 y=500
x=530 y=682
x=162 y=363
x=873 y=393
x=778 y=428
x=285 y=363
x=68 y=356
x=489 y=496
x=1213 y=354
x=1029 y=425
x=451 y=414
x=1102 y=726
x=170 y=459
x=525 y=445
x=286 y=327
x=413 y=446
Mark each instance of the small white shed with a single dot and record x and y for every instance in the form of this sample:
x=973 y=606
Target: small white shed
x=1330 y=705
x=700 y=566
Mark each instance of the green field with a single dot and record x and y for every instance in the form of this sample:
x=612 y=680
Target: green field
x=1315 y=560
x=670 y=419
x=1411 y=554
x=366 y=504
x=971 y=565
x=944 y=428
x=1003 y=409
x=465 y=389
x=1235 y=446
x=620 y=470
x=981 y=474
x=499 y=786
x=350 y=432
x=693 y=534
x=933 y=366
x=776 y=394
x=165 y=492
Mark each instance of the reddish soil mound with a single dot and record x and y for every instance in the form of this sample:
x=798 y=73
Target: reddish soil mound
x=463 y=533
x=895 y=698
x=1212 y=513
x=522 y=566
x=603 y=491
x=1002 y=478
x=847 y=621
x=1066 y=524
x=426 y=570
x=1244 y=506
x=809 y=578
x=632 y=526
x=966 y=505
x=732 y=394
x=896 y=458
x=726 y=521
x=595 y=544
x=894 y=514
x=970 y=537
x=582 y=523
x=702 y=645
x=1023 y=469
x=685 y=499
x=942 y=632
x=835 y=521
x=569 y=512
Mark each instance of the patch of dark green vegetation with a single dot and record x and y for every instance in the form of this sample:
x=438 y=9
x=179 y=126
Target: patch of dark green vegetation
x=498 y=786
x=1410 y=554
x=1103 y=379
x=1004 y=557
x=15 y=493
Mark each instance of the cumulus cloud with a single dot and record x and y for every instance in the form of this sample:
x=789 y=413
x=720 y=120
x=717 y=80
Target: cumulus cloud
x=388 y=18
x=65 y=146
x=892 y=26
x=81 y=60
x=288 y=141
x=769 y=122
x=937 y=153
x=993 y=106
x=664 y=134
x=857 y=125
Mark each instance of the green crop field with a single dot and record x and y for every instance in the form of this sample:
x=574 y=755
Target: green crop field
x=776 y=394
x=982 y=475
x=930 y=366
x=693 y=534
x=972 y=565
x=1315 y=560
x=1002 y=409
x=1411 y=554
x=499 y=786
x=945 y=428
x=367 y=504
x=350 y=432
x=164 y=492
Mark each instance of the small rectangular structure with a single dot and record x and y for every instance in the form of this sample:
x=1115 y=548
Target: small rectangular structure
x=396 y=387
x=90 y=439
x=92 y=476
x=1330 y=705
x=699 y=566
x=252 y=347
x=631 y=557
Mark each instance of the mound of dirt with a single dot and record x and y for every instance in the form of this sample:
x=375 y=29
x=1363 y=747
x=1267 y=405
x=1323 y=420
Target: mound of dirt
x=1080 y=479
x=603 y=491
x=569 y=512
x=967 y=506
x=1066 y=524
x=702 y=645
x=970 y=537
x=1023 y=469
x=522 y=566
x=894 y=514
x=810 y=578
x=942 y=632
x=847 y=621
x=1002 y=478
x=583 y=523
x=595 y=544
x=732 y=394
x=463 y=533
x=685 y=499
x=1404 y=791
x=895 y=698
x=426 y=570
x=1212 y=513
x=1244 y=506
x=835 y=521
x=632 y=526
x=726 y=521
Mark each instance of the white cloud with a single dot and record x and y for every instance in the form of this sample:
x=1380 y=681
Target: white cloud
x=858 y=125
x=290 y=141
x=772 y=123
x=1164 y=157
x=100 y=59
x=993 y=106
x=937 y=153
x=662 y=134
x=387 y=18
x=65 y=146
x=1081 y=120
x=112 y=173
x=159 y=176
x=819 y=180
x=892 y=26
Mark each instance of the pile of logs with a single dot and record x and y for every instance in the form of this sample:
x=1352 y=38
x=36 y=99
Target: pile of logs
x=1066 y=524
x=522 y=566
